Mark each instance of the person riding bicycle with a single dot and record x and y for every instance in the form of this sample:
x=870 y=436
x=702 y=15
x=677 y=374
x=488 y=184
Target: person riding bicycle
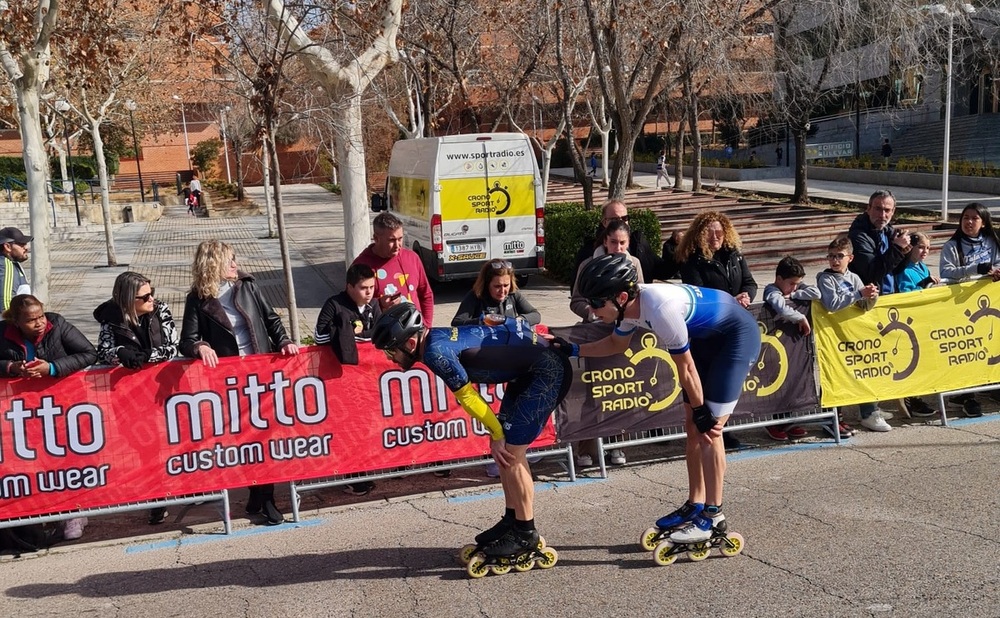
x=712 y=340
x=537 y=379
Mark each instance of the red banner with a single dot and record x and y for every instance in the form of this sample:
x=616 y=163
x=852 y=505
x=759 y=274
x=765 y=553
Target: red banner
x=112 y=436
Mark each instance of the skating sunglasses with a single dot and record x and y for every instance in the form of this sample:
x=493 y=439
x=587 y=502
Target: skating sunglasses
x=147 y=297
x=597 y=303
x=499 y=265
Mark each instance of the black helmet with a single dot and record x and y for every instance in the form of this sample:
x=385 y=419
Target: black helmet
x=396 y=325
x=608 y=275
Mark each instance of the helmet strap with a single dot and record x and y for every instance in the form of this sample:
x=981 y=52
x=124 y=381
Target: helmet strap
x=414 y=356
x=621 y=311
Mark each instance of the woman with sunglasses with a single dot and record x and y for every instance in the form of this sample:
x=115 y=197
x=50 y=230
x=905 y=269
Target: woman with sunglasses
x=136 y=328
x=495 y=293
x=617 y=239
x=226 y=314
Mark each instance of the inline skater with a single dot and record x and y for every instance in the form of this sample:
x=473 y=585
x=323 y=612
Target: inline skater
x=537 y=378
x=713 y=341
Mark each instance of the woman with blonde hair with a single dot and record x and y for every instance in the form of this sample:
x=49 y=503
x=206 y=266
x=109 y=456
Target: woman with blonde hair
x=495 y=293
x=227 y=315
x=709 y=257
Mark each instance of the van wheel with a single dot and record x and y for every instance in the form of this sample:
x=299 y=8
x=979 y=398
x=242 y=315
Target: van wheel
x=522 y=280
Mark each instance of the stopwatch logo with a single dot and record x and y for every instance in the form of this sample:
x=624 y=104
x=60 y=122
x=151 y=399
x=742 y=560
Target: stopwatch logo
x=649 y=350
x=895 y=324
x=500 y=201
x=985 y=310
x=753 y=383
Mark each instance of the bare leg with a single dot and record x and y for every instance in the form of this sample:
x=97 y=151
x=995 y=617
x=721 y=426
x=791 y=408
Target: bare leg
x=518 y=486
x=693 y=457
x=713 y=462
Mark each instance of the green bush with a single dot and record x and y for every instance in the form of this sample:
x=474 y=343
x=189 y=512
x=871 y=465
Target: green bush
x=567 y=224
x=329 y=186
x=13 y=167
x=220 y=188
x=915 y=164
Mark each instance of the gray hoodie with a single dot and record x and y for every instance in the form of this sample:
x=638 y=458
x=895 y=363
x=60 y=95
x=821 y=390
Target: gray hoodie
x=776 y=301
x=837 y=291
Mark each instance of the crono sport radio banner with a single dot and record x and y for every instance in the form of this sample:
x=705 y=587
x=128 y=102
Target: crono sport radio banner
x=917 y=343
x=112 y=436
x=638 y=390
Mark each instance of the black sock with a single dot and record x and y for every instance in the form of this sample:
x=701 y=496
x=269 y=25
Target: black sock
x=508 y=514
x=712 y=510
x=524 y=526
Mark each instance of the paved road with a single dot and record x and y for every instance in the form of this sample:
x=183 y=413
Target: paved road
x=897 y=524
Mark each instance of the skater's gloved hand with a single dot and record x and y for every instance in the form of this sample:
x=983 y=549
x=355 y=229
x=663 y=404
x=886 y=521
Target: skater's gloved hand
x=567 y=348
x=703 y=419
x=503 y=457
x=132 y=358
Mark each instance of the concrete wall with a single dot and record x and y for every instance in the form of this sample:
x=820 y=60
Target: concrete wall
x=917 y=180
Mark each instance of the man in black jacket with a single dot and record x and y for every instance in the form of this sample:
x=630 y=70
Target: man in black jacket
x=349 y=316
x=653 y=267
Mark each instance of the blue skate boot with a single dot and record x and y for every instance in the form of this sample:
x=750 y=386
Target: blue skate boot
x=668 y=523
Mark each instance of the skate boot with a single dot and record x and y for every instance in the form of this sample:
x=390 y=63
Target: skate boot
x=698 y=537
x=517 y=549
x=668 y=523
x=486 y=537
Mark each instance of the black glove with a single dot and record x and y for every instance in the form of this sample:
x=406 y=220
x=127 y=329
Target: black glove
x=984 y=268
x=566 y=348
x=132 y=357
x=703 y=419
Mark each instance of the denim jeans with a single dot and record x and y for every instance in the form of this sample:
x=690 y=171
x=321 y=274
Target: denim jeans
x=866 y=409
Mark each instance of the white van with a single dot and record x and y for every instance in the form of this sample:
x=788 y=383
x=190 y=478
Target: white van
x=466 y=199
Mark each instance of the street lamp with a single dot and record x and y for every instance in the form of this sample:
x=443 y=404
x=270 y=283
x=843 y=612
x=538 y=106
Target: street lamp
x=225 y=146
x=131 y=106
x=940 y=9
x=62 y=105
x=187 y=146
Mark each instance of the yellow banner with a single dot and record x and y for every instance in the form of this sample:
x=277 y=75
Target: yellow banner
x=917 y=343
x=410 y=197
x=468 y=198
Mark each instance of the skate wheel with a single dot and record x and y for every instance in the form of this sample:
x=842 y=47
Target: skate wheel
x=648 y=539
x=524 y=563
x=549 y=558
x=700 y=552
x=732 y=545
x=466 y=553
x=500 y=569
x=477 y=568
x=541 y=542
x=664 y=554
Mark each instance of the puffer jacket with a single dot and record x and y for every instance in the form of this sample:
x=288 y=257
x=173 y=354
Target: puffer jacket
x=727 y=270
x=206 y=323
x=62 y=345
x=159 y=333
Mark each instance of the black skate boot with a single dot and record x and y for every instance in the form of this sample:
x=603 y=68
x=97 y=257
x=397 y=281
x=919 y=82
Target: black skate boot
x=520 y=550
x=486 y=537
x=512 y=544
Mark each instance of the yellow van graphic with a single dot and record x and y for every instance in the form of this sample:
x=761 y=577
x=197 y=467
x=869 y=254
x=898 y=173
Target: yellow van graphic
x=473 y=198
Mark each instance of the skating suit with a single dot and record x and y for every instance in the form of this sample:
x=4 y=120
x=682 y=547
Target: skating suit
x=722 y=335
x=537 y=378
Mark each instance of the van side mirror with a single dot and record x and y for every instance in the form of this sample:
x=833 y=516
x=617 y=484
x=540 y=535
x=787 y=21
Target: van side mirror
x=378 y=202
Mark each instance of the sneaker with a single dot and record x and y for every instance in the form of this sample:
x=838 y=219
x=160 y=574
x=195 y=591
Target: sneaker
x=918 y=407
x=731 y=442
x=843 y=429
x=442 y=474
x=886 y=415
x=359 y=489
x=777 y=433
x=875 y=422
x=616 y=457
x=994 y=395
x=968 y=403
x=584 y=461
x=272 y=516
x=796 y=433
x=493 y=470
x=73 y=528
x=157 y=515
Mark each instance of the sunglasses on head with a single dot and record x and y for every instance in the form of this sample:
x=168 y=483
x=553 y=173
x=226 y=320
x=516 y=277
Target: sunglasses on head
x=147 y=297
x=597 y=303
x=501 y=265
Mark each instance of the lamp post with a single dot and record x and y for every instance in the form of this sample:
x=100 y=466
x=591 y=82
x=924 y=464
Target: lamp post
x=225 y=145
x=62 y=105
x=940 y=9
x=187 y=146
x=131 y=106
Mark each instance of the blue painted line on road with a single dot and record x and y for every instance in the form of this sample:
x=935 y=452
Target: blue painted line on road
x=215 y=538
x=538 y=487
x=781 y=450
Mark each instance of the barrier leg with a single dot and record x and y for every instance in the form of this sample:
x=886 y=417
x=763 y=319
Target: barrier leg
x=296 y=500
x=227 y=520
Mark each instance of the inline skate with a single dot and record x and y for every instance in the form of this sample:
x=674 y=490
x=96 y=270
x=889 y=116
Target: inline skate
x=667 y=524
x=516 y=549
x=698 y=538
x=491 y=535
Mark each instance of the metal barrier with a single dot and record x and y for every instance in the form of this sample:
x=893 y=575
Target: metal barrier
x=298 y=487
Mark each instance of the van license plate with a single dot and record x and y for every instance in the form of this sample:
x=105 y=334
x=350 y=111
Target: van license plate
x=468 y=247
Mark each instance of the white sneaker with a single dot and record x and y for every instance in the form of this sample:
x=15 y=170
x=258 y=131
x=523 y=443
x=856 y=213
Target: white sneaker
x=73 y=528
x=616 y=457
x=584 y=461
x=493 y=470
x=875 y=422
x=886 y=415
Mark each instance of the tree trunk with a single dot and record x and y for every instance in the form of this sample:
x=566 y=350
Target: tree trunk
x=679 y=156
x=801 y=195
x=286 y=262
x=354 y=183
x=102 y=175
x=36 y=166
x=266 y=167
x=618 y=182
x=695 y=145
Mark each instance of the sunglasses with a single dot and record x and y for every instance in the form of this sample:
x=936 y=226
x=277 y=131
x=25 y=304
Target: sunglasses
x=835 y=256
x=147 y=297
x=597 y=303
x=623 y=219
x=501 y=265
x=390 y=353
